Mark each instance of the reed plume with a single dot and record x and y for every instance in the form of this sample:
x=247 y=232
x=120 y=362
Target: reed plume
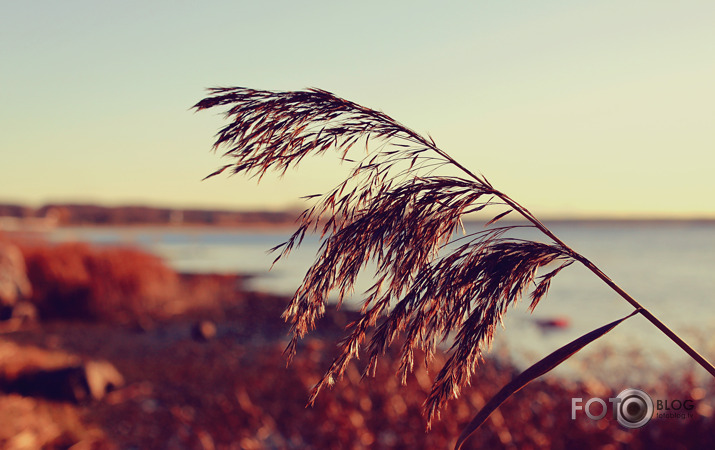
x=400 y=207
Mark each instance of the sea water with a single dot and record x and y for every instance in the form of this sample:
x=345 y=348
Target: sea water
x=668 y=267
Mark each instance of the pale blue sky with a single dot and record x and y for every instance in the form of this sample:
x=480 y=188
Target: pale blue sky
x=572 y=108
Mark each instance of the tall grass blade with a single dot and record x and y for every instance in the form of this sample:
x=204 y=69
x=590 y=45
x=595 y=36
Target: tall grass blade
x=540 y=368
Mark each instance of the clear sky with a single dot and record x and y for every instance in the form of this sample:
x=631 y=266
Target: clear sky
x=577 y=108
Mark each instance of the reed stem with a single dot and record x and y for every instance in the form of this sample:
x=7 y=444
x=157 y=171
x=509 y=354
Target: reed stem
x=403 y=224
x=606 y=279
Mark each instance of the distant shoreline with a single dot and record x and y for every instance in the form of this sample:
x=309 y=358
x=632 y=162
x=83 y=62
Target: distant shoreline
x=276 y=226
x=634 y=221
x=267 y=226
x=15 y=217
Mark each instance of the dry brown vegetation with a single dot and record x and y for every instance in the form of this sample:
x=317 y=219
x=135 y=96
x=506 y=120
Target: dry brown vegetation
x=235 y=392
x=76 y=280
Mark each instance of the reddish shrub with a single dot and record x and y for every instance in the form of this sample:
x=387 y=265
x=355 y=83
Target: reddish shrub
x=76 y=280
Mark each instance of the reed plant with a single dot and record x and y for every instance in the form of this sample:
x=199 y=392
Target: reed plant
x=398 y=210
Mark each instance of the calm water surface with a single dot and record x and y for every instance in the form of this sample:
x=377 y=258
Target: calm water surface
x=668 y=267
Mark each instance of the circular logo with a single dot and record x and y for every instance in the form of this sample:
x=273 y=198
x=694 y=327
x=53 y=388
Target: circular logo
x=635 y=408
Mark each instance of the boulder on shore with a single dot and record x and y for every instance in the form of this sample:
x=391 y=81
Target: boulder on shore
x=35 y=372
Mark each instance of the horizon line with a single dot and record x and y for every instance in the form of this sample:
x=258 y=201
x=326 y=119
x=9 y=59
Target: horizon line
x=551 y=217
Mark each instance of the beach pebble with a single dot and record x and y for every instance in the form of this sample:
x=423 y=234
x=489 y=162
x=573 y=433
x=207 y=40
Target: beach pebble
x=204 y=330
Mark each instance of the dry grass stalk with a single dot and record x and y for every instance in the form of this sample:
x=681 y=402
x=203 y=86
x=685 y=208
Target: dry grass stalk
x=400 y=206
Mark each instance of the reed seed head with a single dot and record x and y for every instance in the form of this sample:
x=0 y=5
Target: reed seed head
x=399 y=208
